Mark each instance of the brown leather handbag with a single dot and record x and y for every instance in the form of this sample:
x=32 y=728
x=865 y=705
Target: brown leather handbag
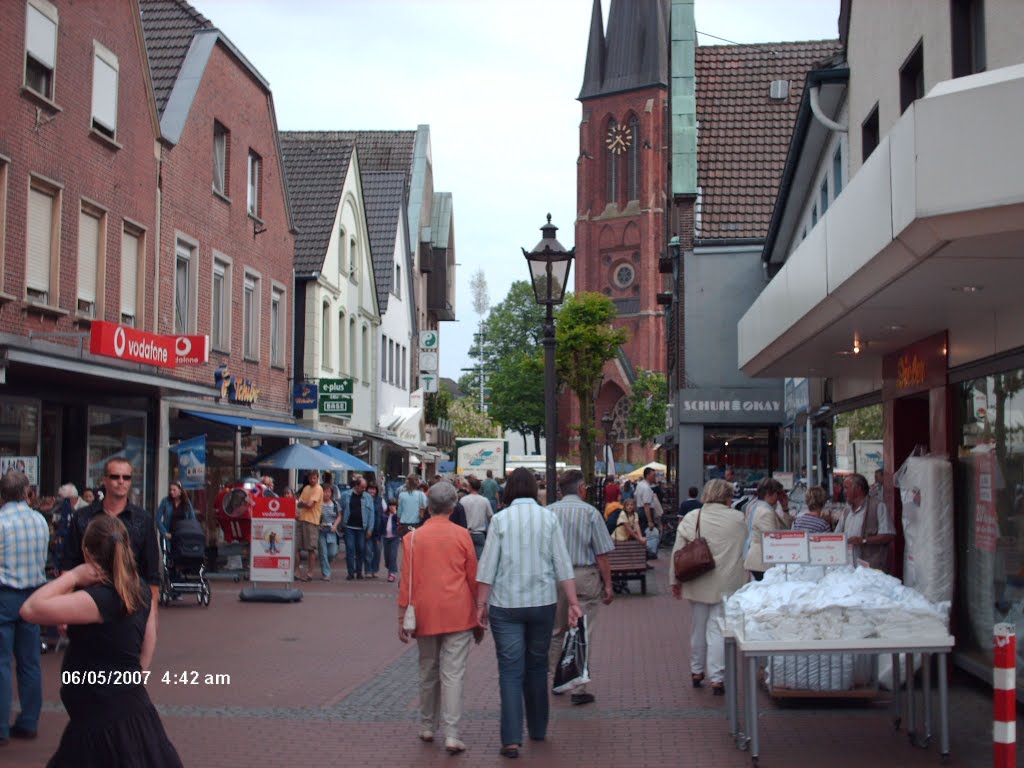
x=695 y=559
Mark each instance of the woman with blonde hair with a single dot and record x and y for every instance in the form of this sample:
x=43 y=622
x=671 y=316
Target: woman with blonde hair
x=813 y=520
x=724 y=530
x=106 y=606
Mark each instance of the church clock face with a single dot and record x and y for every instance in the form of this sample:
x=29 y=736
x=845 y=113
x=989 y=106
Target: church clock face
x=619 y=139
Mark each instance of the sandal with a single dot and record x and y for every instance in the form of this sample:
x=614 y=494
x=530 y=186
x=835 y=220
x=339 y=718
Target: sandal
x=697 y=680
x=511 y=751
x=718 y=689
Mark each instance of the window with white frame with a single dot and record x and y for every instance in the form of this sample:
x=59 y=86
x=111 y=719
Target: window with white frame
x=405 y=380
x=391 y=362
x=397 y=284
x=254 y=184
x=352 y=347
x=104 y=91
x=277 y=326
x=42 y=246
x=342 y=242
x=132 y=251
x=384 y=358
x=251 y=317
x=91 y=228
x=40 y=47
x=366 y=353
x=220 y=323
x=341 y=341
x=353 y=260
x=221 y=158
x=184 y=263
x=325 y=336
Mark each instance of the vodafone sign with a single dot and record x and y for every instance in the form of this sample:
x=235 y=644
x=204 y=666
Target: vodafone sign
x=191 y=350
x=124 y=343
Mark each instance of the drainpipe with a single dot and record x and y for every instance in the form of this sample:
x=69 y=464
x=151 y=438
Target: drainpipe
x=820 y=116
x=808 y=433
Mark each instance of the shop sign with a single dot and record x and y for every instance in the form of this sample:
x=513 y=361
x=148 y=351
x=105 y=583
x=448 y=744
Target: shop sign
x=124 y=343
x=732 y=406
x=27 y=464
x=986 y=525
x=335 y=397
x=785 y=547
x=919 y=367
x=827 y=548
x=234 y=389
x=192 y=462
x=272 y=539
x=304 y=396
x=191 y=350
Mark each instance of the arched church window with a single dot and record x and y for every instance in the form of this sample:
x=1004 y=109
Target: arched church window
x=633 y=155
x=612 y=152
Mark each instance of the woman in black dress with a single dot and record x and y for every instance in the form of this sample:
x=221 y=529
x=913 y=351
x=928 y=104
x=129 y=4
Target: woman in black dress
x=105 y=605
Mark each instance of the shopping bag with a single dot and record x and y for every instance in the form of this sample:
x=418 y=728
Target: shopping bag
x=573 y=669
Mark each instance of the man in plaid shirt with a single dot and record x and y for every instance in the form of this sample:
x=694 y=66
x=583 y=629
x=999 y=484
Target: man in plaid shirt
x=24 y=541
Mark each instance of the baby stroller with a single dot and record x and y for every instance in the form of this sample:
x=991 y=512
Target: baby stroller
x=184 y=571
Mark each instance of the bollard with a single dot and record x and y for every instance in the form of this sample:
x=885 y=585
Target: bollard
x=1004 y=690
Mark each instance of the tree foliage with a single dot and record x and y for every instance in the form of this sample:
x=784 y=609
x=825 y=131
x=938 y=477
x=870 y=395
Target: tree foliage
x=436 y=405
x=648 y=402
x=467 y=421
x=586 y=340
x=517 y=394
x=865 y=423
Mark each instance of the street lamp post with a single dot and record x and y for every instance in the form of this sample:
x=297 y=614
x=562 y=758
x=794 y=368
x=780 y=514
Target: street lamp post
x=549 y=274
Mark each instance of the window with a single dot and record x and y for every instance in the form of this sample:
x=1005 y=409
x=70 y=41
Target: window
x=184 y=258
x=40 y=47
x=869 y=134
x=814 y=214
x=611 y=194
x=912 y=78
x=132 y=251
x=277 y=327
x=823 y=196
x=967 y=18
x=391 y=362
x=3 y=215
x=221 y=158
x=221 y=305
x=837 y=172
x=352 y=346
x=342 y=242
x=384 y=358
x=353 y=258
x=42 y=247
x=251 y=317
x=405 y=381
x=255 y=186
x=91 y=229
x=104 y=91
x=341 y=341
x=624 y=276
x=396 y=285
x=325 y=336
x=633 y=181
x=366 y=354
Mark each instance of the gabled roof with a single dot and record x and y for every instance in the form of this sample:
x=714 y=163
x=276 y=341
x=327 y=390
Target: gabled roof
x=633 y=54
x=168 y=26
x=384 y=200
x=743 y=135
x=381 y=150
x=315 y=168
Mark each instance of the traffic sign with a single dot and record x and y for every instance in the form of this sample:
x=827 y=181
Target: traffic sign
x=429 y=382
x=428 y=362
x=428 y=341
x=341 y=406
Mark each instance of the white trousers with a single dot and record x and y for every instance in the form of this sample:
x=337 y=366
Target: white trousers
x=707 y=647
x=442 y=672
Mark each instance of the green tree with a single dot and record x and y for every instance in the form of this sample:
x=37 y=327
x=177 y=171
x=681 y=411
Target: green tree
x=467 y=421
x=586 y=341
x=436 y=405
x=864 y=423
x=648 y=402
x=517 y=394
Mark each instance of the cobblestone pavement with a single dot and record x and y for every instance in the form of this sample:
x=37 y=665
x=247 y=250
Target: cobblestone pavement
x=326 y=681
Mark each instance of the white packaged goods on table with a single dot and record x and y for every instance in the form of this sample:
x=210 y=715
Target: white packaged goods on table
x=925 y=485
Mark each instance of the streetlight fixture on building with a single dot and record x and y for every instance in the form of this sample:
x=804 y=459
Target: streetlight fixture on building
x=549 y=274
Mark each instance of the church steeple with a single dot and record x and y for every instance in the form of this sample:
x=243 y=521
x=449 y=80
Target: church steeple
x=633 y=55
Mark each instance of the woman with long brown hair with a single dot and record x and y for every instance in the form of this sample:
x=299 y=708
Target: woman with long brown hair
x=175 y=507
x=106 y=606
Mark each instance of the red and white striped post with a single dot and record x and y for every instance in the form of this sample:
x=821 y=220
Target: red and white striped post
x=1004 y=689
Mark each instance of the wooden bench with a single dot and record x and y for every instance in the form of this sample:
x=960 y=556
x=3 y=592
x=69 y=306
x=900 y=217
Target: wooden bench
x=629 y=561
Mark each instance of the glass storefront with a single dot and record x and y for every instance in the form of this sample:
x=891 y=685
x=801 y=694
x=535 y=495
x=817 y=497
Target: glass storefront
x=990 y=512
x=748 y=450
x=115 y=432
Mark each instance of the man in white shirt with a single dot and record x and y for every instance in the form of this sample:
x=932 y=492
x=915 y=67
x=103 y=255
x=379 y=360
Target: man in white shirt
x=647 y=501
x=478 y=513
x=867 y=524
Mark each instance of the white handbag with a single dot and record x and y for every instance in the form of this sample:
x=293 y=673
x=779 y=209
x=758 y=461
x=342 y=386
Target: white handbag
x=409 y=617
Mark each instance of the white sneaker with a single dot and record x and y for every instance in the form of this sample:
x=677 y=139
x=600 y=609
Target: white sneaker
x=454 y=746
x=426 y=735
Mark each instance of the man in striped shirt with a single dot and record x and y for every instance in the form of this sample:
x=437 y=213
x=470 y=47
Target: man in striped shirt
x=24 y=540
x=588 y=542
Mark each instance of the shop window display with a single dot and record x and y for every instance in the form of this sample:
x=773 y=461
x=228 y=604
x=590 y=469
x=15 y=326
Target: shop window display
x=990 y=490
x=115 y=432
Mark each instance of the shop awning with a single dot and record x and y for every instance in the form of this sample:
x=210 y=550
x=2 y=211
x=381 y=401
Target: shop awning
x=264 y=426
x=346 y=458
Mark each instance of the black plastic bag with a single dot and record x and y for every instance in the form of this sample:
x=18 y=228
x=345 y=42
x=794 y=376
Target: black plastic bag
x=573 y=667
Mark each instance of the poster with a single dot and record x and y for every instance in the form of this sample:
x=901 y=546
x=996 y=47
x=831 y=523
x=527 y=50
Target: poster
x=192 y=462
x=986 y=524
x=272 y=540
x=27 y=464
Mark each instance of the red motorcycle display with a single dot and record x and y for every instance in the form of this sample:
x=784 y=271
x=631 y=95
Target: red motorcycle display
x=233 y=507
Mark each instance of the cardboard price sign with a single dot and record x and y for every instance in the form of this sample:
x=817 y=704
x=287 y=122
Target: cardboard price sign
x=785 y=547
x=828 y=548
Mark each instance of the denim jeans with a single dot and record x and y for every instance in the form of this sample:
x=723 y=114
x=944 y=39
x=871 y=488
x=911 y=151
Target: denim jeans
x=355 y=550
x=328 y=550
x=391 y=554
x=521 y=640
x=21 y=639
x=372 y=555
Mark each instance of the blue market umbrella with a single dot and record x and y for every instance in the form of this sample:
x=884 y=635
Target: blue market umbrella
x=345 y=458
x=300 y=456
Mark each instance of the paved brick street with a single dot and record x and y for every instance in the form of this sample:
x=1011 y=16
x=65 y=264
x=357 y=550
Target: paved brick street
x=327 y=681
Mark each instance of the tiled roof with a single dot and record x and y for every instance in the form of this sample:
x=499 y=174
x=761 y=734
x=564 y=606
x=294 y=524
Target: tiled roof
x=743 y=135
x=315 y=168
x=168 y=27
x=384 y=199
x=381 y=150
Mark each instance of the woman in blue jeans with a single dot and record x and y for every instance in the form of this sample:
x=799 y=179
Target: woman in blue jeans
x=329 y=519
x=522 y=563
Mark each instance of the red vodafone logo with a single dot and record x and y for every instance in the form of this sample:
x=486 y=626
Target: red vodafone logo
x=120 y=341
x=182 y=346
x=274 y=505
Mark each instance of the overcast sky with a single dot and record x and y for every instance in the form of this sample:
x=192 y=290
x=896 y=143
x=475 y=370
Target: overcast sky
x=497 y=82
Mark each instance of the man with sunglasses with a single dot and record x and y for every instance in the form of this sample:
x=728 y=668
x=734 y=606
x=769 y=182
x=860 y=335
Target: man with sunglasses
x=142 y=533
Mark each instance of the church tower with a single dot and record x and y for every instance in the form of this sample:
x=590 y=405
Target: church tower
x=622 y=183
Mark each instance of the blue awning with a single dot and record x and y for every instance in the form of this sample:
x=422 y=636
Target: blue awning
x=351 y=462
x=264 y=426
